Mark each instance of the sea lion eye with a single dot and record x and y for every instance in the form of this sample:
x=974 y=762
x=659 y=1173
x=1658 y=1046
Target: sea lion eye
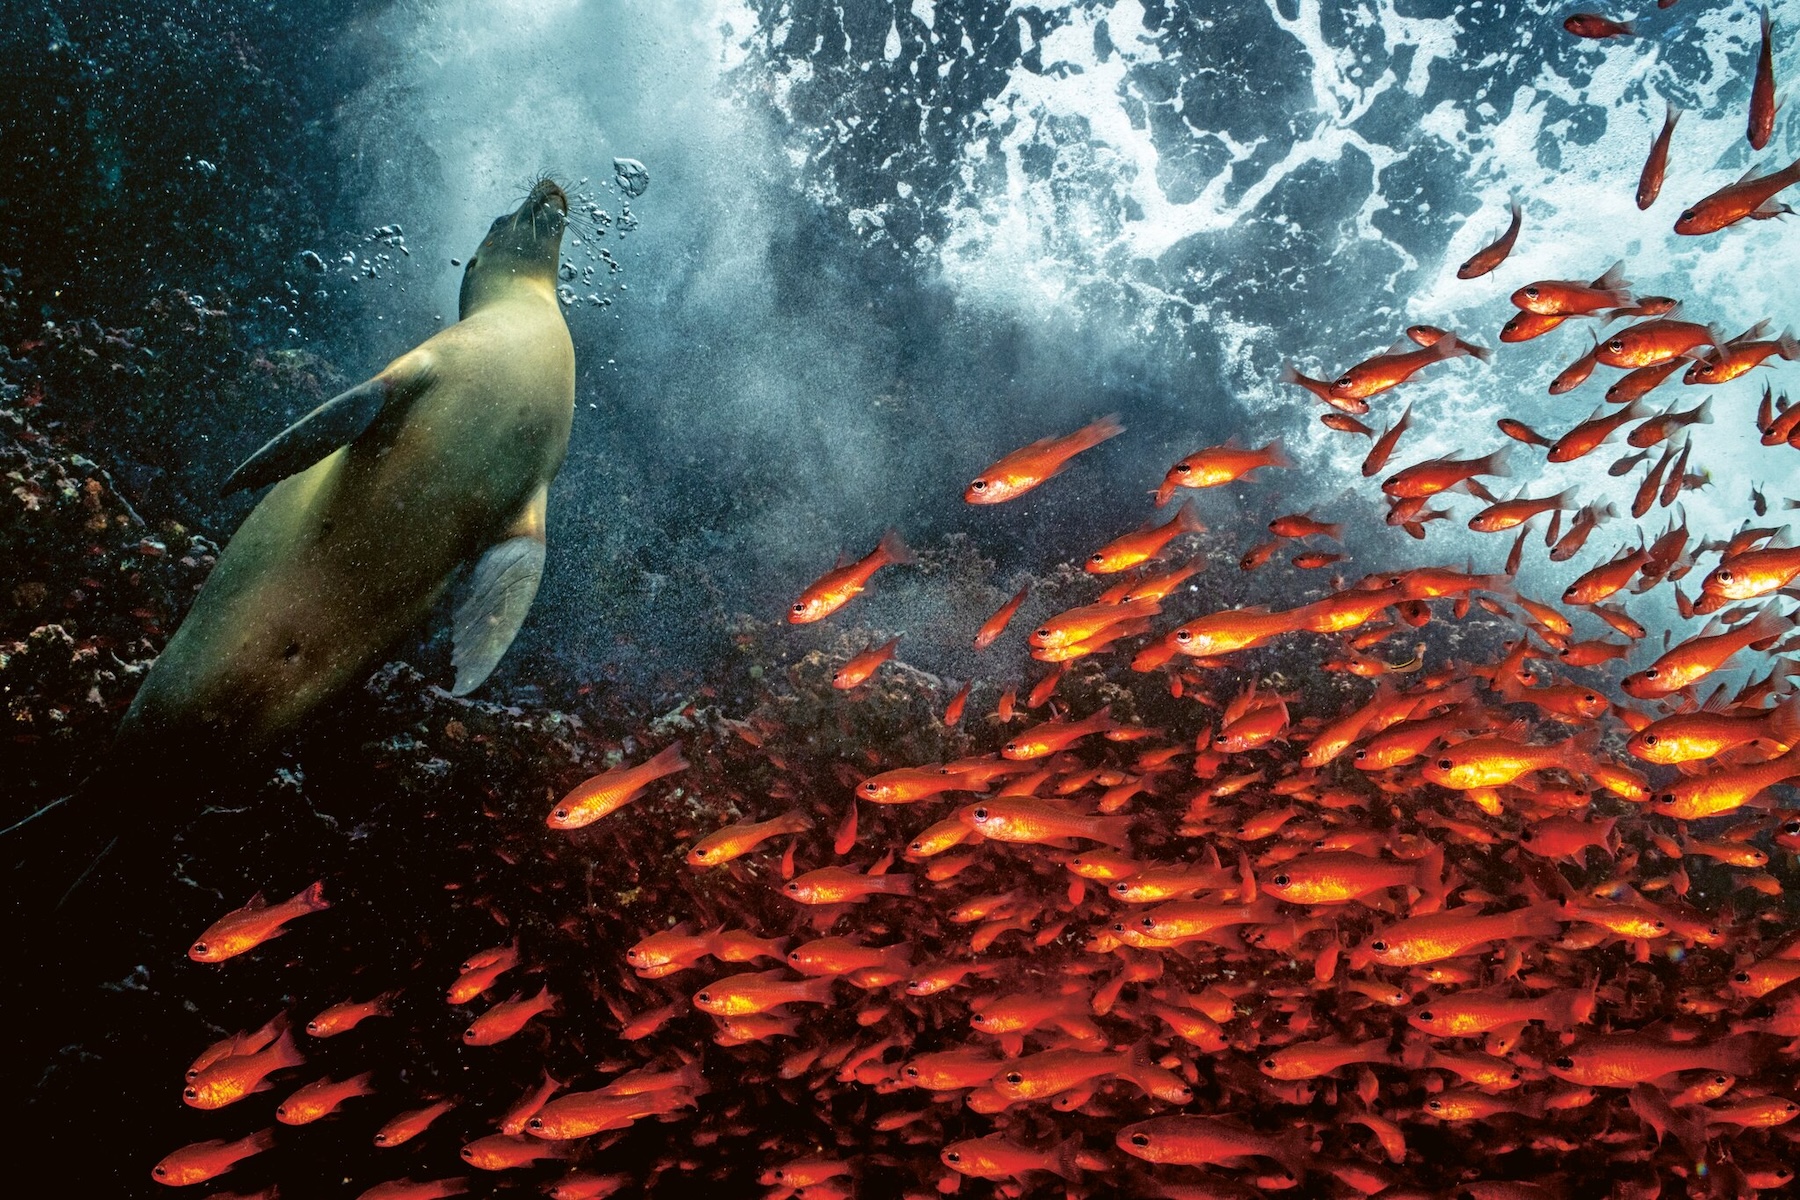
x=1140 y=1139
x=1445 y=764
x=1281 y=880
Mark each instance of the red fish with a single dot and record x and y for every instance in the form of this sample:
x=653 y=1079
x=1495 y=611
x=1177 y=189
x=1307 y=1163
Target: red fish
x=210 y=1159
x=1598 y=28
x=1147 y=543
x=842 y=584
x=1751 y=196
x=1218 y=465
x=1762 y=91
x=250 y=926
x=1026 y=468
x=1572 y=298
x=994 y=626
x=507 y=1018
x=857 y=671
x=1651 y=180
x=1488 y=257
x=1396 y=365
x=603 y=794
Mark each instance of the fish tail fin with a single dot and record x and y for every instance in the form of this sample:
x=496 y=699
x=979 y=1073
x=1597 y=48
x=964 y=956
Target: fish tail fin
x=313 y=898
x=668 y=761
x=287 y=1051
x=894 y=885
x=1614 y=281
x=1062 y=1158
x=1089 y=436
x=1430 y=873
x=1789 y=346
x=894 y=551
x=795 y=820
x=1784 y=722
x=816 y=990
x=1703 y=415
x=1113 y=831
x=1480 y=353
x=1273 y=455
x=1188 y=519
x=1289 y=372
x=1495 y=465
x=1744 y=1054
x=259 y=1142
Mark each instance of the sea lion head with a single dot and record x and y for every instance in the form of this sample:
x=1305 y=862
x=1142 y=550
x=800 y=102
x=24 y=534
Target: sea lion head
x=522 y=244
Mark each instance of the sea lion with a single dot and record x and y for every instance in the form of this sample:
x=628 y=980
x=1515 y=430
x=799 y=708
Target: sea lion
x=382 y=495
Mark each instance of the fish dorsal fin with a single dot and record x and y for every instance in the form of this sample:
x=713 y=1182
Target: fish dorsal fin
x=338 y=422
x=1748 y=175
x=501 y=589
x=1613 y=278
x=1403 y=345
x=257 y=901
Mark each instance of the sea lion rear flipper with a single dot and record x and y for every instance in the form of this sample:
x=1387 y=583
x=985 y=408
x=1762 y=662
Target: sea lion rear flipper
x=337 y=422
x=501 y=590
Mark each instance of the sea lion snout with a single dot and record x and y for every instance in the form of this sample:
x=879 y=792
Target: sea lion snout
x=545 y=192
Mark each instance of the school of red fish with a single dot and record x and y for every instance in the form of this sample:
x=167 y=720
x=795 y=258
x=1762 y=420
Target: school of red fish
x=1504 y=926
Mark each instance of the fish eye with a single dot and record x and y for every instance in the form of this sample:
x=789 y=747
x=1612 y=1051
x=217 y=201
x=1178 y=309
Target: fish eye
x=1148 y=922
x=1360 y=755
x=799 y=608
x=1617 y=345
x=381 y=1138
x=1721 y=1080
x=981 y=814
x=912 y=1071
x=1097 y=557
x=1531 y=293
x=190 y=1093
x=280 y=1111
x=1724 y=575
x=198 y=948
x=1516 y=1075
x=1014 y=1078
x=1651 y=672
x=704 y=996
x=1281 y=880
x=979 y=485
x=1428 y=1016
x=1434 y=1105
x=1564 y=1063
x=1649 y=739
x=1182 y=468
x=1666 y=798
x=1742 y=977
x=1445 y=764
x=1525 y=836
x=1661 y=924
x=312 y=1027
x=794 y=955
x=1140 y=1139
x=160 y=1171
x=535 y=1123
x=701 y=853
x=1688 y=215
x=1183 y=635
x=562 y=814
x=468 y=1154
x=1590 y=698
x=1379 y=947
x=952 y=1156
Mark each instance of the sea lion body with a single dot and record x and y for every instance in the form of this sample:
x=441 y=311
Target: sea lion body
x=343 y=557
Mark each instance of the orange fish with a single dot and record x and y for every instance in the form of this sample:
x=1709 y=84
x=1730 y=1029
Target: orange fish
x=995 y=1157
x=481 y=971
x=1742 y=353
x=1440 y=474
x=1145 y=544
x=1024 y=819
x=609 y=791
x=1523 y=326
x=1051 y=736
x=1718 y=792
x=498 y=1152
x=1340 y=876
x=1749 y=574
x=735 y=841
x=242 y=1042
x=1218 y=465
x=836 y=885
x=507 y=1018
x=1659 y=427
x=1347 y=406
x=342 y=1018
x=1620 y=1060
x=410 y=1124
x=1025 y=468
x=1508 y=514
x=1309 y=1060
x=1751 y=196
x=210 y=1159
x=250 y=926
x=1652 y=343
x=1383 y=449
x=1080 y=624
x=1598 y=28
x=1398 y=364
x=994 y=626
x=1234 y=629
x=861 y=666
x=1416 y=941
x=1488 y=257
x=321 y=1098
x=235 y=1076
x=1497 y=760
x=1762 y=92
x=1700 y=656
x=1572 y=298
x=842 y=584
x=1197 y=1141
x=1157 y=588
x=760 y=991
x=1650 y=181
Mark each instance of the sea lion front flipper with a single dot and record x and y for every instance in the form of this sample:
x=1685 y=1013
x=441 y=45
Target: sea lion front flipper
x=337 y=422
x=501 y=590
